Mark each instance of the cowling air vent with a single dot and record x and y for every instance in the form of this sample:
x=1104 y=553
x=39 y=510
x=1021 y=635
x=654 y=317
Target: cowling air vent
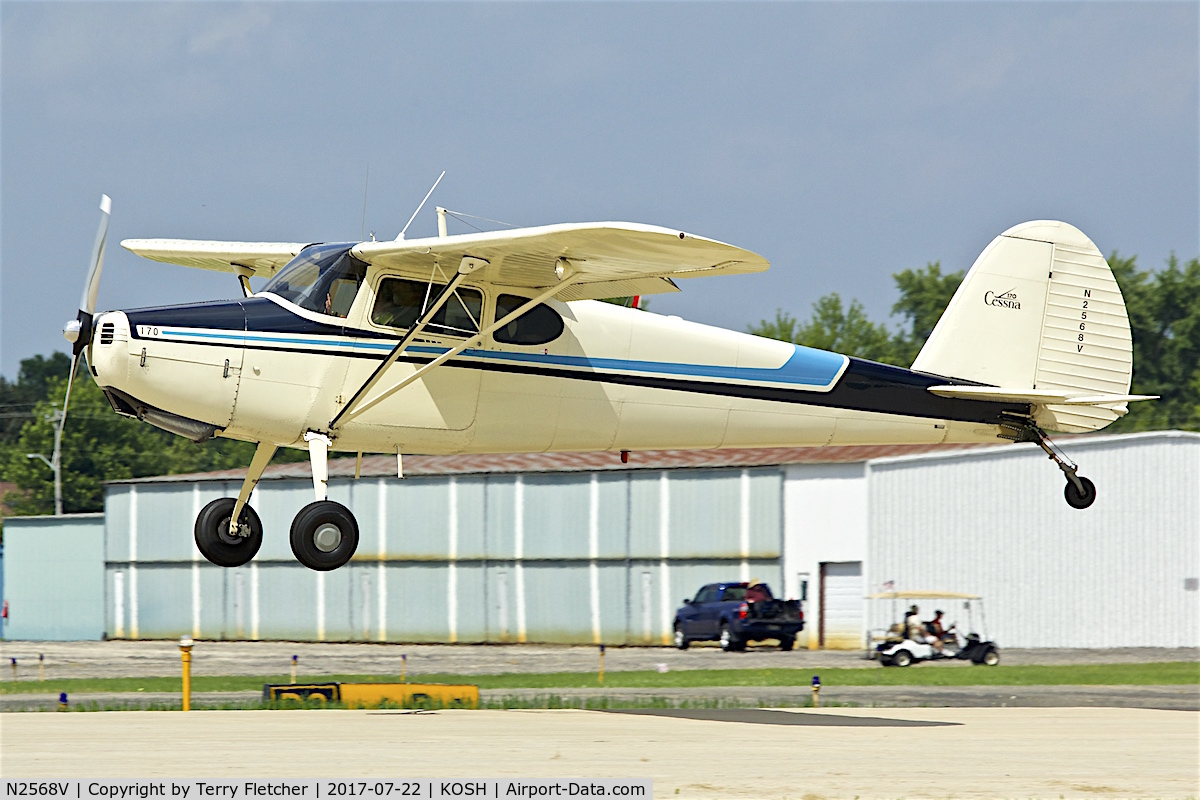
x=107 y=331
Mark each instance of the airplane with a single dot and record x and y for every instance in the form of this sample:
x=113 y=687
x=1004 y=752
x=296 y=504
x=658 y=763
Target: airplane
x=496 y=342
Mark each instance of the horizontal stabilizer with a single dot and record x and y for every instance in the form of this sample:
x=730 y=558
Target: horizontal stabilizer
x=1035 y=396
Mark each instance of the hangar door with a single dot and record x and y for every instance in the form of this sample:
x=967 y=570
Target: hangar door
x=841 y=623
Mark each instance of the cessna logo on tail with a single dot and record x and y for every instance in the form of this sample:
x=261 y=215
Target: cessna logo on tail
x=1002 y=300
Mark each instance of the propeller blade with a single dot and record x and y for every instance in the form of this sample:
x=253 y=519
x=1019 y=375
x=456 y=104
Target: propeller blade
x=87 y=302
x=79 y=330
x=67 y=399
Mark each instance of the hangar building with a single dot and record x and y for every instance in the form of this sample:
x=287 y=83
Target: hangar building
x=582 y=548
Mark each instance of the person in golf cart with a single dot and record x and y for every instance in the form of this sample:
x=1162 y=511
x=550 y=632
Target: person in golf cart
x=937 y=629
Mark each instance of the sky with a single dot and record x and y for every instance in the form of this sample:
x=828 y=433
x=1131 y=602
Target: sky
x=842 y=141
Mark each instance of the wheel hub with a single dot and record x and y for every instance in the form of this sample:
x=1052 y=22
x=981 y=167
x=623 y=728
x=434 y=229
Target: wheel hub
x=327 y=537
x=224 y=534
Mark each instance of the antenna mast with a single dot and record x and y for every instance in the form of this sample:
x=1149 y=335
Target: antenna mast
x=400 y=238
x=367 y=182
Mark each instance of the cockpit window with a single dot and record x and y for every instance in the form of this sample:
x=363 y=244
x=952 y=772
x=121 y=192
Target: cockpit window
x=323 y=278
x=399 y=302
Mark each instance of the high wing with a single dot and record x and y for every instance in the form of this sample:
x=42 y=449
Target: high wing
x=612 y=259
x=263 y=259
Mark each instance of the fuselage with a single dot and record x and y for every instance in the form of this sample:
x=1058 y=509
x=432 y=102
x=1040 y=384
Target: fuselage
x=577 y=376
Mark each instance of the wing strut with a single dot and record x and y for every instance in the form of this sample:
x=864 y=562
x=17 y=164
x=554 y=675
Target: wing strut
x=402 y=345
x=347 y=414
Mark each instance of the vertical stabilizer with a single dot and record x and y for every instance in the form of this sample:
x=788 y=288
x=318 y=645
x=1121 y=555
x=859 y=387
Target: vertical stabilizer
x=1039 y=309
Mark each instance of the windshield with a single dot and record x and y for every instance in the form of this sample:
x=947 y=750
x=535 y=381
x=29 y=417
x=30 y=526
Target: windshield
x=323 y=278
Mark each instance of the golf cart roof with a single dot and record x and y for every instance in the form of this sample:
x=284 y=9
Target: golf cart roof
x=915 y=595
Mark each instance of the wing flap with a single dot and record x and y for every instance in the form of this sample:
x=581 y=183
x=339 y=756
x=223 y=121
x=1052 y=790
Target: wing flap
x=263 y=258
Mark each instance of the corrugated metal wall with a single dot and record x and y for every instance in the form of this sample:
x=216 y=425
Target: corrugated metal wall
x=54 y=577
x=566 y=557
x=995 y=524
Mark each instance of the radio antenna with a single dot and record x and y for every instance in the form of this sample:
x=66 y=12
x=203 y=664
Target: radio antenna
x=367 y=182
x=400 y=238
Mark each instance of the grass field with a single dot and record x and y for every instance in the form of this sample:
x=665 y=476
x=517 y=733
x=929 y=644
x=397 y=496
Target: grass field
x=1164 y=673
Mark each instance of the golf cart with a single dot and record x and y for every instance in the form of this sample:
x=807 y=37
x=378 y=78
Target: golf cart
x=896 y=646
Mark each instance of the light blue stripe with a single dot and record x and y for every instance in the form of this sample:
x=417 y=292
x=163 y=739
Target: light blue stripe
x=805 y=367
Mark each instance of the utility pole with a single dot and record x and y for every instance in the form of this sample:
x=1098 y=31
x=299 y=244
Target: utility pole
x=55 y=460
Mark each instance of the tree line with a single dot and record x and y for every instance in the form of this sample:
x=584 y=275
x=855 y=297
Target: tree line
x=99 y=445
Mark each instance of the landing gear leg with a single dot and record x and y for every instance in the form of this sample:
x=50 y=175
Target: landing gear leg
x=228 y=532
x=324 y=534
x=1080 y=492
x=262 y=457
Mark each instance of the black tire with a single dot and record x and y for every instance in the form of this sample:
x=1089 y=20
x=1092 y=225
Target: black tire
x=901 y=658
x=214 y=541
x=729 y=642
x=1077 y=499
x=988 y=658
x=324 y=535
x=681 y=641
x=787 y=642
x=885 y=660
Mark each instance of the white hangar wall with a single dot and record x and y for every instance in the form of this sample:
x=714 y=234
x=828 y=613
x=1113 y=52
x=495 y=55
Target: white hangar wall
x=559 y=557
x=1122 y=573
x=825 y=541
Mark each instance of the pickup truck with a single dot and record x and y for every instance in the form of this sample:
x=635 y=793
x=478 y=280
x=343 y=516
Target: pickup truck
x=720 y=611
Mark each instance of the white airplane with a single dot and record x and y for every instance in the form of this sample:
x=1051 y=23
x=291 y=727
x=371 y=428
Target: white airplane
x=495 y=342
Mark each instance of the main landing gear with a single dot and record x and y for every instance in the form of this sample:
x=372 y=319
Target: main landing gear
x=1080 y=492
x=324 y=534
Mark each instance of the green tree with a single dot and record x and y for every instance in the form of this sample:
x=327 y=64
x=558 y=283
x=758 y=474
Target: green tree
x=831 y=327
x=17 y=398
x=1164 y=317
x=924 y=295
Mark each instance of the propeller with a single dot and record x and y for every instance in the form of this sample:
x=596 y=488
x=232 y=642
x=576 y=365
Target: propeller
x=79 y=330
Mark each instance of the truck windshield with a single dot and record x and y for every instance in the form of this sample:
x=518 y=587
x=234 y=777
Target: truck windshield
x=323 y=278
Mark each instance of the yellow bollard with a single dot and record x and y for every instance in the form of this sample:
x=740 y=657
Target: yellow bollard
x=14 y=668
x=816 y=684
x=403 y=668
x=294 y=660
x=185 y=649
x=42 y=666
x=601 y=663
x=62 y=701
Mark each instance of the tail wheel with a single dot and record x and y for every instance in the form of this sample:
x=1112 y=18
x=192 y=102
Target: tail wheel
x=217 y=543
x=681 y=641
x=1077 y=498
x=324 y=535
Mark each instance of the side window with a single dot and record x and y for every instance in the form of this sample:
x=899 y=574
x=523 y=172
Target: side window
x=399 y=302
x=707 y=594
x=539 y=325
